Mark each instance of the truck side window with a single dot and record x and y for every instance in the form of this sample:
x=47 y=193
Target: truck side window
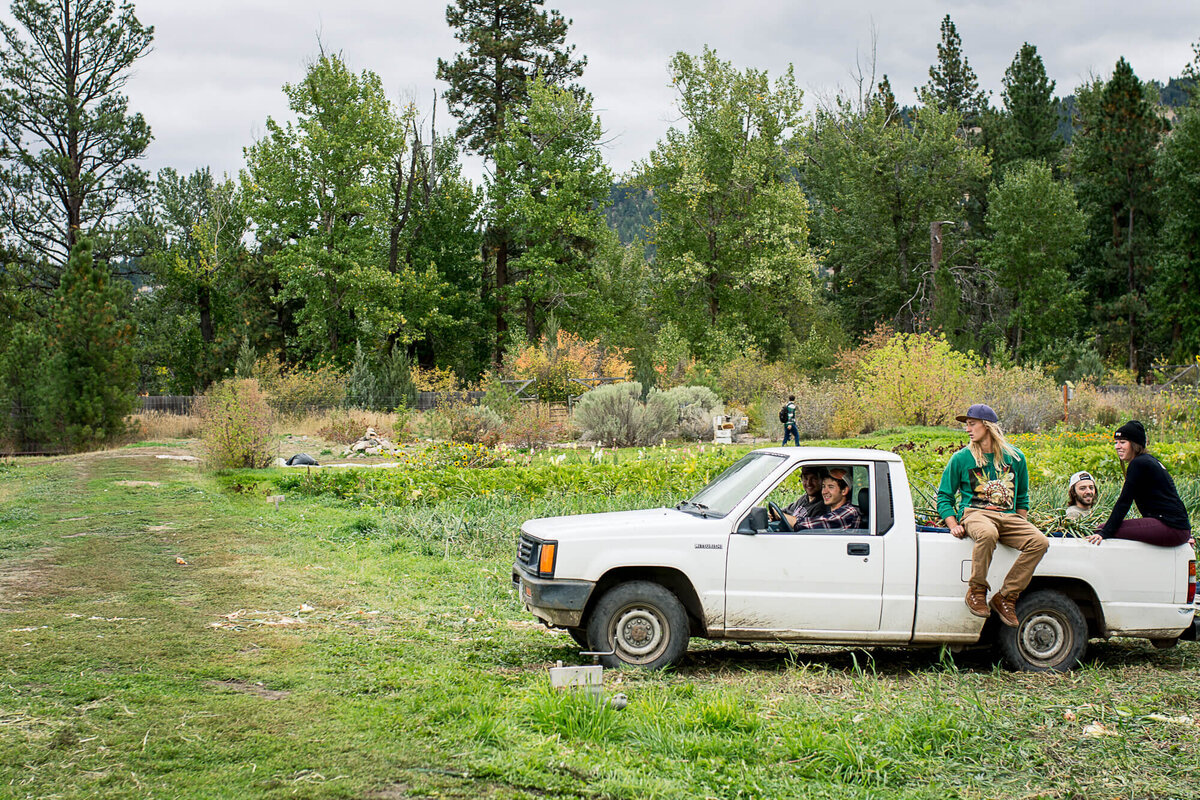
x=853 y=482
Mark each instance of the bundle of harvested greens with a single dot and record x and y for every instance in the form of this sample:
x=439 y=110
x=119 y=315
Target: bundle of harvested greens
x=1054 y=522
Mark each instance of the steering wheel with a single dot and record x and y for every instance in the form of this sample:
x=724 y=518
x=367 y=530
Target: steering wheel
x=783 y=520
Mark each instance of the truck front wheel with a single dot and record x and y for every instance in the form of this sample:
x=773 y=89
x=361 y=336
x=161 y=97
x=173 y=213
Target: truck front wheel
x=642 y=623
x=1051 y=635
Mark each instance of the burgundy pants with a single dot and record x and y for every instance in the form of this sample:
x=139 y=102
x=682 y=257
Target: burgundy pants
x=1151 y=531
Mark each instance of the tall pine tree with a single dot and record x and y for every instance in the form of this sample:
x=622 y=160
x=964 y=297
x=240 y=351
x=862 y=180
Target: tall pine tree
x=1029 y=124
x=952 y=83
x=1177 y=284
x=1114 y=151
x=93 y=374
x=68 y=144
x=507 y=42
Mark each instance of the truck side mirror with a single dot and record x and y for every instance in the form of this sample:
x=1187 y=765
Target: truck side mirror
x=757 y=520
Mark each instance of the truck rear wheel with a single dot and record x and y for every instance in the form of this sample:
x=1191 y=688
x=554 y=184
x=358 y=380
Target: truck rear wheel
x=642 y=623
x=1051 y=636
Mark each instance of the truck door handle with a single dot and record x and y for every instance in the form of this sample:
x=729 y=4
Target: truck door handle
x=858 y=549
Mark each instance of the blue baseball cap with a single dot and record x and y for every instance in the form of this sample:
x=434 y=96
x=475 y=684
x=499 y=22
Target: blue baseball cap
x=979 y=411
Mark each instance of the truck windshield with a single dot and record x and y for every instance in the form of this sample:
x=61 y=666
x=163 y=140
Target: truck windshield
x=731 y=486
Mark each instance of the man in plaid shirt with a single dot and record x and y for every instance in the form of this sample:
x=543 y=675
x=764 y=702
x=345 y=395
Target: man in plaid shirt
x=835 y=491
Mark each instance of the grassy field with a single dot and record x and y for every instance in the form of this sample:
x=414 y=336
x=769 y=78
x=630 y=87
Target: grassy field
x=167 y=633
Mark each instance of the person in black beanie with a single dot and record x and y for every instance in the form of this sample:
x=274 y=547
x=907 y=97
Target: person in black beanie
x=1164 y=519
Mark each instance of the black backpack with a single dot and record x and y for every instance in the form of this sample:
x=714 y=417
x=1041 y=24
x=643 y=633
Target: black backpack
x=783 y=414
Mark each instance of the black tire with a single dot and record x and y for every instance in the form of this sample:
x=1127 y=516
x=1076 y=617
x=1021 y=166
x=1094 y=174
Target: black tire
x=580 y=636
x=1051 y=636
x=643 y=623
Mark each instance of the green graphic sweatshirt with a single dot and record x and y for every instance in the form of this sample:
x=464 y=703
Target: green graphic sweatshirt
x=1003 y=487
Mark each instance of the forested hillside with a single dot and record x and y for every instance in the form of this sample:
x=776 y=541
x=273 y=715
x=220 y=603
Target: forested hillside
x=1050 y=226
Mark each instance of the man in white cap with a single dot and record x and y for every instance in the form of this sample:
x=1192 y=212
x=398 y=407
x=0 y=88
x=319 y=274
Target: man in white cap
x=1081 y=494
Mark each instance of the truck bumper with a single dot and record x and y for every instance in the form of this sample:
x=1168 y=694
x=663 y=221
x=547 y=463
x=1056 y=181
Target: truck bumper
x=558 y=603
x=1192 y=632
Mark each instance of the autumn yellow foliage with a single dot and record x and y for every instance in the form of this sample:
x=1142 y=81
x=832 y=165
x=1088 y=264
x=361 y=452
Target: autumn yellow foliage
x=557 y=362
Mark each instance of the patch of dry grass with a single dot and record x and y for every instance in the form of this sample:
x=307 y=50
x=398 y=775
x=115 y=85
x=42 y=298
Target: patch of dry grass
x=155 y=426
x=314 y=424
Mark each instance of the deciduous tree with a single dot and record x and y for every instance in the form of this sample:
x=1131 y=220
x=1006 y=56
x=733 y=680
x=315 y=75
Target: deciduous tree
x=1036 y=229
x=876 y=186
x=732 y=262
x=194 y=259
x=549 y=193
x=320 y=195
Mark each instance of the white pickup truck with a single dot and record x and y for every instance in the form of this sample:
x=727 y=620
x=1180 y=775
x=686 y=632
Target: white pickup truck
x=638 y=584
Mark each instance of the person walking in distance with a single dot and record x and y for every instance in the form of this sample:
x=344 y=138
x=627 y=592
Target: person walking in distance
x=984 y=494
x=788 y=416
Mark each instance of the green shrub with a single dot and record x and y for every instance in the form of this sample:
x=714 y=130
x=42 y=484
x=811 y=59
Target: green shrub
x=499 y=397
x=402 y=428
x=746 y=377
x=235 y=426
x=915 y=379
x=469 y=424
x=614 y=414
x=531 y=425
x=294 y=392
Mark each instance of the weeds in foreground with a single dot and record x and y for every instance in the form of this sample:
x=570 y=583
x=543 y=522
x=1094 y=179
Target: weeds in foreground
x=370 y=658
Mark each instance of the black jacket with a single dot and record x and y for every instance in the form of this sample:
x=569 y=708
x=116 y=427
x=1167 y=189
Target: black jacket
x=1149 y=486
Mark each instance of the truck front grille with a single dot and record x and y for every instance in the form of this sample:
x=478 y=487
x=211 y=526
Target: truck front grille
x=527 y=551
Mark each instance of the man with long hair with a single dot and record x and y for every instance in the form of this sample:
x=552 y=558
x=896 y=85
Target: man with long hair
x=991 y=478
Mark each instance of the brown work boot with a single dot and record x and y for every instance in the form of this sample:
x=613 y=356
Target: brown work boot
x=1006 y=606
x=977 y=601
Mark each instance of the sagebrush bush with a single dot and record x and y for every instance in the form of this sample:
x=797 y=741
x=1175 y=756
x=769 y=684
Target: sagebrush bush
x=471 y=424
x=614 y=414
x=701 y=396
x=697 y=406
x=235 y=426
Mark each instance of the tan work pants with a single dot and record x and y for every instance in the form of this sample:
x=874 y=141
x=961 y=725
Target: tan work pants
x=987 y=528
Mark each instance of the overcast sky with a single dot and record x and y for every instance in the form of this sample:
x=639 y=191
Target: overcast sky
x=218 y=66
